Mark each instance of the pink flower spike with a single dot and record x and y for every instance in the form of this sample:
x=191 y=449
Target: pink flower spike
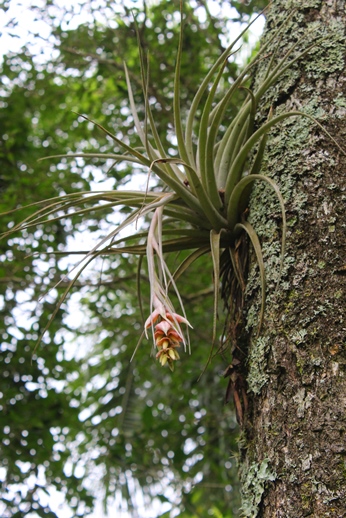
x=163 y=327
x=163 y=343
x=178 y=318
x=152 y=319
x=159 y=306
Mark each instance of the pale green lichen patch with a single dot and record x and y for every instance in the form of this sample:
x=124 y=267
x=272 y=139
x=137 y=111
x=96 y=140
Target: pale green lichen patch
x=254 y=481
x=303 y=400
x=298 y=337
x=304 y=4
x=340 y=101
x=257 y=376
x=328 y=56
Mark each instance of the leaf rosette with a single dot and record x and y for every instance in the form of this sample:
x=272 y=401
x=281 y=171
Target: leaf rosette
x=200 y=201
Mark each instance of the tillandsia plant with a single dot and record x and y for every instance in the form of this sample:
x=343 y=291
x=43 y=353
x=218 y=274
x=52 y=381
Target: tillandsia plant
x=200 y=201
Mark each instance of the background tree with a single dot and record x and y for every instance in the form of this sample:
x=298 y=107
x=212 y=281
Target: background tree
x=68 y=417
x=294 y=439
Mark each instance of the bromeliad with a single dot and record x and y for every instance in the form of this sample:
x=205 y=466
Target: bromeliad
x=200 y=202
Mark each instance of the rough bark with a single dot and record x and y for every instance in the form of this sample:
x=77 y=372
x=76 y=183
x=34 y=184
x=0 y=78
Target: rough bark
x=293 y=460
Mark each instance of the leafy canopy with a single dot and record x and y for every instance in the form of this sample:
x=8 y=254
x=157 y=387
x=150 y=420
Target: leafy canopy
x=80 y=378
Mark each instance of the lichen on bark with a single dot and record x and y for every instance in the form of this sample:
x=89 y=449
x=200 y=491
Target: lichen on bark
x=296 y=370
x=256 y=477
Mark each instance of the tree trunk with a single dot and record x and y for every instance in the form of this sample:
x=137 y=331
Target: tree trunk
x=293 y=457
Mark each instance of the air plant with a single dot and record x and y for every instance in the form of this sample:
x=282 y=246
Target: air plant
x=204 y=194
